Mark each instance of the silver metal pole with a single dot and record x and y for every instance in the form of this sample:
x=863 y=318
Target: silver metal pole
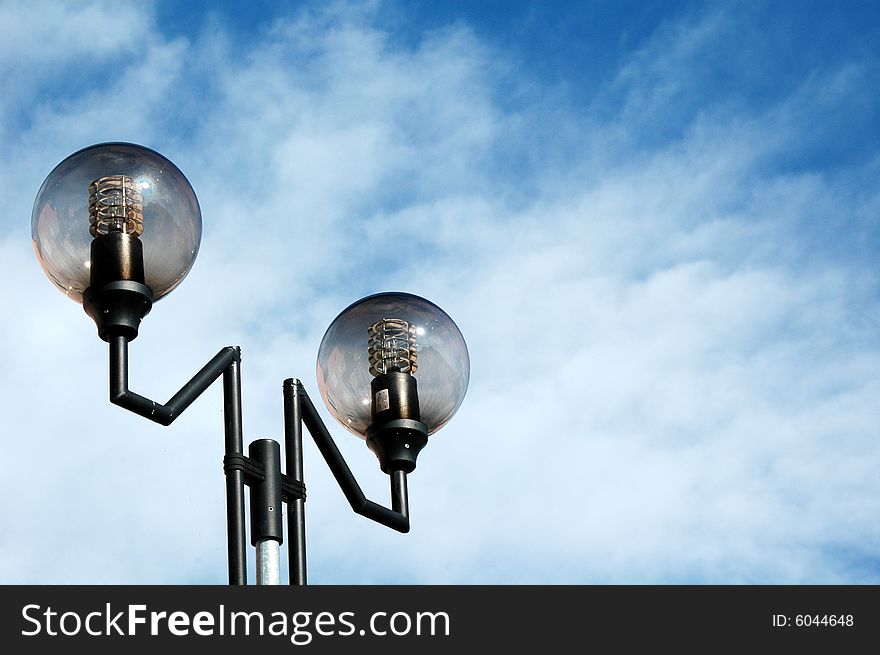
x=268 y=562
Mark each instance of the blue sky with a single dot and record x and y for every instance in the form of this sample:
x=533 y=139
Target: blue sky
x=656 y=225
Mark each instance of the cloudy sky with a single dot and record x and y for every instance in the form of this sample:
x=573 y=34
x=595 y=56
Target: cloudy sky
x=657 y=225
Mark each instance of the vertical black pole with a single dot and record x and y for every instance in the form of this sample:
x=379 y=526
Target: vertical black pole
x=118 y=366
x=266 y=523
x=234 y=479
x=399 y=493
x=296 y=509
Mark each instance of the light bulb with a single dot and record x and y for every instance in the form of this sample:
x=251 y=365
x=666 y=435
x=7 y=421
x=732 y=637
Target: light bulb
x=115 y=205
x=387 y=334
x=391 y=343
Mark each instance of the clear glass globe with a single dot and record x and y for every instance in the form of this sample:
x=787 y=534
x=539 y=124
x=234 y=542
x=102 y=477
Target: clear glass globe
x=443 y=365
x=170 y=226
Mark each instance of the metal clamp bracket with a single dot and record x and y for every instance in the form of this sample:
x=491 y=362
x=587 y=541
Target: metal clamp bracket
x=255 y=473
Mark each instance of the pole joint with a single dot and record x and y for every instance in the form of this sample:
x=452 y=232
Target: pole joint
x=255 y=473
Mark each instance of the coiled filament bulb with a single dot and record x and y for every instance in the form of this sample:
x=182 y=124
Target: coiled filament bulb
x=392 y=347
x=115 y=205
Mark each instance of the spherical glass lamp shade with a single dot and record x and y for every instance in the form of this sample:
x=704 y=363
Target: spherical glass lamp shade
x=432 y=350
x=131 y=189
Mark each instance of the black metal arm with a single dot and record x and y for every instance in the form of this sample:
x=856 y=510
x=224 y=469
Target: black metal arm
x=396 y=518
x=226 y=363
x=163 y=414
x=298 y=409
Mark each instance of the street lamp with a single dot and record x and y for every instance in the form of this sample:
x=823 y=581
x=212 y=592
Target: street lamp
x=117 y=226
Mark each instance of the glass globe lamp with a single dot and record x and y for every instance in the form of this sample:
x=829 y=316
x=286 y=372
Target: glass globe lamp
x=407 y=342
x=116 y=213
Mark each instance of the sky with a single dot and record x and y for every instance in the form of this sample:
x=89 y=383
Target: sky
x=657 y=225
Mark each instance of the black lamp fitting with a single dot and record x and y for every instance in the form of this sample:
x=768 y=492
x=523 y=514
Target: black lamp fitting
x=396 y=434
x=117 y=298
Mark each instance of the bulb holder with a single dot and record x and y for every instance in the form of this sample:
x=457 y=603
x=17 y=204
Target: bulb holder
x=396 y=434
x=116 y=256
x=117 y=298
x=397 y=444
x=394 y=396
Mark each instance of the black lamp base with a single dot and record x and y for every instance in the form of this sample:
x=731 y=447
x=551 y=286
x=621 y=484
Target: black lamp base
x=397 y=444
x=118 y=308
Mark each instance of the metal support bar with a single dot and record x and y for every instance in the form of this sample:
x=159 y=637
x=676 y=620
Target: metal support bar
x=163 y=414
x=225 y=363
x=399 y=493
x=235 y=527
x=396 y=518
x=296 y=508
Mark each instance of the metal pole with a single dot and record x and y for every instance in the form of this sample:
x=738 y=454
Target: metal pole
x=266 y=522
x=399 y=493
x=268 y=562
x=234 y=479
x=296 y=509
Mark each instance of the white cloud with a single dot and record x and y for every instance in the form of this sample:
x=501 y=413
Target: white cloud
x=45 y=31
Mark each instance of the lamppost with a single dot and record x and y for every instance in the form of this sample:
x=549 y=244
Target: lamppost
x=117 y=226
